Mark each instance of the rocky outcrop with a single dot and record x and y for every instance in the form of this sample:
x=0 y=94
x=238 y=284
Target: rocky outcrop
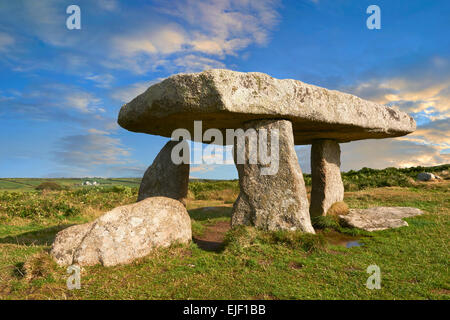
x=226 y=99
x=164 y=178
x=327 y=187
x=275 y=201
x=426 y=176
x=124 y=234
x=379 y=218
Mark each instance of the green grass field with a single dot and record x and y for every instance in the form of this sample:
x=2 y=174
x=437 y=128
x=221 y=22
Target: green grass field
x=243 y=263
x=29 y=184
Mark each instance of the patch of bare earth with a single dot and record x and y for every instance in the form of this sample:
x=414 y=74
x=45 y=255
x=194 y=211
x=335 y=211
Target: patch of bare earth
x=212 y=238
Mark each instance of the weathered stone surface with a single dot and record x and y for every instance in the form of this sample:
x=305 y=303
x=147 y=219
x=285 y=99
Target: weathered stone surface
x=124 y=233
x=225 y=99
x=273 y=202
x=379 y=218
x=67 y=241
x=327 y=187
x=425 y=176
x=164 y=178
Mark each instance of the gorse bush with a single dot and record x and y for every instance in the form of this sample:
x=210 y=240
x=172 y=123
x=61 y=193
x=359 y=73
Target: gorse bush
x=325 y=222
x=49 y=185
x=389 y=177
x=63 y=204
x=210 y=189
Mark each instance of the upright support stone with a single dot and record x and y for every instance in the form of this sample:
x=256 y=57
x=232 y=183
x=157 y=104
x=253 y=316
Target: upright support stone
x=164 y=178
x=327 y=186
x=272 y=202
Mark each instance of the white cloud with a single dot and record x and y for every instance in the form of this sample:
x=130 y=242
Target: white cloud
x=215 y=28
x=128 y=93
x=96 y=131
x=194 y=63
x=93 y=149
x=109 y=5
x=102 y=80
x=6 y=41
x=424 y=92
x=83 y=102
x=383 y=153
x=149 y=38
x=225 y=26
x=166 y=39
x=418 y=89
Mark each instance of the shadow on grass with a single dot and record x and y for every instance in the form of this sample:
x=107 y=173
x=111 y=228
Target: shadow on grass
x=211 y=246
x=43 y=237
x=206 y=213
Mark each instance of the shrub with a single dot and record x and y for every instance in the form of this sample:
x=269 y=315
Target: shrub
x=297 y=240
x=338 y=208
x=48 y=185
x=39 y=265
x=325 y=222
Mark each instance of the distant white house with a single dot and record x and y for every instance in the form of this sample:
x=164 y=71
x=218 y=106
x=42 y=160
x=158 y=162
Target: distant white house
x=89 y=183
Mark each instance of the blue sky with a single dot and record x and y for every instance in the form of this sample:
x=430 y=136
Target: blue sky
x=61 y=90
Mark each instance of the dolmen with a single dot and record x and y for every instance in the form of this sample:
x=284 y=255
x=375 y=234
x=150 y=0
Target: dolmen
x=290 y=112
x=302 y=113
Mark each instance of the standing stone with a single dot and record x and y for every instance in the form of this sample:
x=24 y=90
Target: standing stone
x=272 y=202
x=124 y=234
x=165 y=178
x=327 y=186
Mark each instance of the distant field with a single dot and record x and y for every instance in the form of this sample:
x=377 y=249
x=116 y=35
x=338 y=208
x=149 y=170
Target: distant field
x=353 y=180
x=29 y=184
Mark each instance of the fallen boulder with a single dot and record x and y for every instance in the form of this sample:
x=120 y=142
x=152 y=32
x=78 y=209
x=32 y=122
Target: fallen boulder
x=379 y=218
x=124 y=234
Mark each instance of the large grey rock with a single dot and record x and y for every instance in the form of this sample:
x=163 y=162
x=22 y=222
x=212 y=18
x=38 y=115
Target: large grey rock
x=425 y=176
x=225 y=99
x=124 y=234
x=272 y=202
x=379 y=218
x=327 y=187
x=165 y=178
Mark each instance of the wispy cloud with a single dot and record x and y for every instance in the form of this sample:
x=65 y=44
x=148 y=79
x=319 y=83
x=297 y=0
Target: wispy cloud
x=127 y=93
x=57 y=102
x=101 y=80
x=6 y=41
x=89 y=150
x=423 y=90
x=415 y=88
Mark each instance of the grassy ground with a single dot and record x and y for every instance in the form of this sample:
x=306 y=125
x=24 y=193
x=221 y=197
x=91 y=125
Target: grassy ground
x=250 y=264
